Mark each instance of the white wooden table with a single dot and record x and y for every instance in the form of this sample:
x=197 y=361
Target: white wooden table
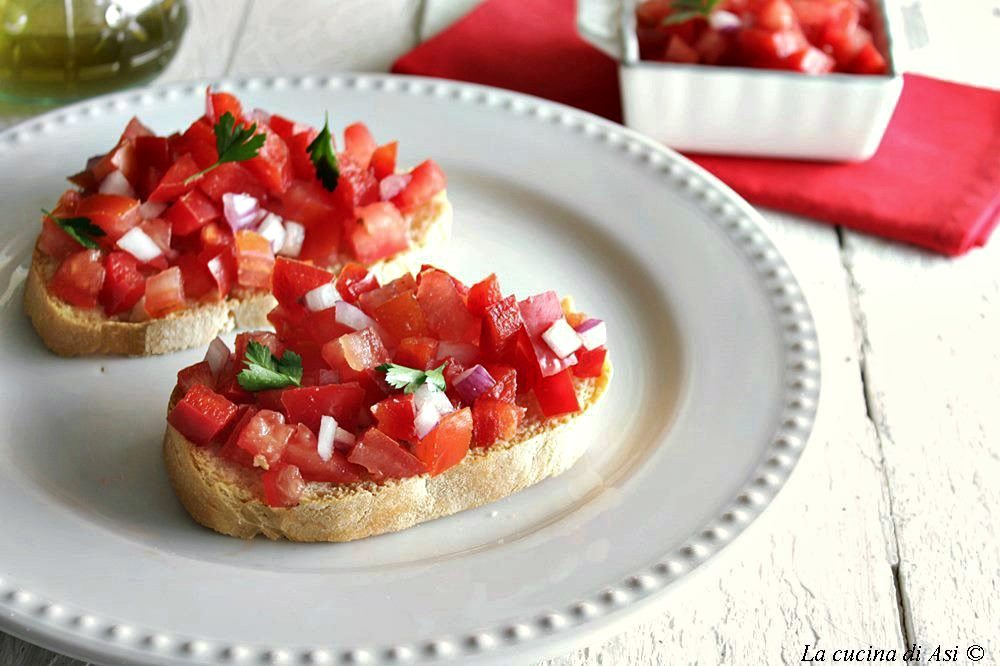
x=888 y=532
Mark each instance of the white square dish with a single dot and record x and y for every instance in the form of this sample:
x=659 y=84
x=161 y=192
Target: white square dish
x=745 y=111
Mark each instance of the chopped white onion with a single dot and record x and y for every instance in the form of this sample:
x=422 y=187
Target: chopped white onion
x=322 y=297
x=217 y=355
x=295 y=235
x=427 y=394
x=327 y=433
x=241 y=210
x=344 y=437
x=724 y=21
x=593 y=333
x=426 y=420
x=273 y=230
x=393 y=184
x=137 y=243
x=116 y=183
x=462 y=352
x=152 y=209
x=561 y=338
x=353 y=318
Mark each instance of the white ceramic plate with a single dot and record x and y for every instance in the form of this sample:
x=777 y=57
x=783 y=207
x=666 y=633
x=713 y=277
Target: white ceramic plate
x=716 y=377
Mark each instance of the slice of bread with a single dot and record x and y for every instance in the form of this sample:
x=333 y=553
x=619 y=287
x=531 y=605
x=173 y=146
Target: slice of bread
x=72 y=331
x=226 y=496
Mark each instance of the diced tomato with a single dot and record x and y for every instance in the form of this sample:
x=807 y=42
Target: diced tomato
x=292 y=279
x=371 y=299
x=308 y=203
x=271 y=166
x=217 y=104
x=357 y=186
x=254 y=260
x=446 y=313
x=264 y=437
x=680 y=51
x=55 y=242
x=308 y=404
x=270 y=399
x=229 y=432
x=269 y=340
x=301 y=452
x=494 y=420
x=175 y=181
x=395 y=417
x=114 y=214
x=221 y=265
x=428 y=180
x=810 y=61
x=191 y=212
x=216 y=235
x=384 y=458
x=230 y=177
x=383 y=160
x=195 y=276
x=361 y=350
x=505 y=377
x=380 y=232
x=522 y=355
x=500 y=326
x=484 y=294
x=153 y=151
x=446 y=445
x=354 y=280
x=201 y=414
x=198 y=374
x=417 y=353
x=775 y=15
x=79 y=279
x=556 y=394
x=199 y=141
x=165 y=293
x=766 y=48
x=359 y=144
x=401 y=317
x=123 y=286
x=286 y=128
x=298 y=155
x=539 y=312
x=283 y=486
x=869 y=61
x=590 y=363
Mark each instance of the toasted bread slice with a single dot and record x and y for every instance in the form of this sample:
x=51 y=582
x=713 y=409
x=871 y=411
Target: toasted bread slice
x=72 y=331
x=225 y=496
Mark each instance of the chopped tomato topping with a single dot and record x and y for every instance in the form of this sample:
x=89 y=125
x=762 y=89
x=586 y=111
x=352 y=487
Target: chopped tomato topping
x=198 y=374
x=264 y=437
x=79 y=279
x=354 y=280
x=359 y=144
x=444 y=309
x=123 y=286
x=283 y=486
x=446 y=445
x=301 y=452
x=292 y=279
x=191 y=212
x=428 y=180
x=590 y=363
x=254 y=260
x=417 y=353
x=380 y=232
x=395 y=417
x=201 y=414
x=383 y=457
x=114 y=214
x=175 y=181
x=494 y=420
x=309 y=404
x=484 y=294
x=383 y=160
x=556 y=394
x=361 y=350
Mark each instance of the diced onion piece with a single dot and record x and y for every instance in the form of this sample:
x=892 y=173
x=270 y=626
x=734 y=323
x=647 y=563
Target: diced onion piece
x=426 y=420
x=561 y=338
x=217 y=355
x=427 y=394
x=116 y=183
x=593 y=333
x=724 y=21
x=353 y=318
x=272 y=229
x=241 y=210
x=137 y=243
x=322 y=297
x=393 y=184
x=462 y=352
x=152 y=209
x=327 y=433
x=344 y=437
x=295 y=235
x=473 y=383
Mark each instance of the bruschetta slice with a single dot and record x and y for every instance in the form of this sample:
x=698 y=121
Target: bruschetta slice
x=165 y=242
x=375 y=407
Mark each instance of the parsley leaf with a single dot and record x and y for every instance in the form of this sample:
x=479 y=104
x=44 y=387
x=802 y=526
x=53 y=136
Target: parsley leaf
x=410 y=379
x=266 y=371
x=81 y=229
x=324 y=158
x=234 y=143
x=685 y=10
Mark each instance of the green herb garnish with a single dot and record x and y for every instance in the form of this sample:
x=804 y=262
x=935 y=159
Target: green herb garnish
x=685 y=10
x=410 y=379
x=266 y=371
x=81 y=229
x=234 y=143
x=324 y=158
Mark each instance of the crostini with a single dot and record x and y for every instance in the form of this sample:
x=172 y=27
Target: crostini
x=375 y=407
x=165 y=242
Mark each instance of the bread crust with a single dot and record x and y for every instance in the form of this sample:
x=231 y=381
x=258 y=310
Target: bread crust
x=72 y=331
x=225 y=496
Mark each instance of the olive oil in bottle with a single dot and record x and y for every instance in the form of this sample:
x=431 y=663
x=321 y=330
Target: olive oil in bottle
x=54 y=51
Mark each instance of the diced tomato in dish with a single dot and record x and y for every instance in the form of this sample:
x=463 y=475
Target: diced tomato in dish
x=165 y=292
x=123 y=286
x=302 y=452
x=494 y=420
x=201 y=414
x=395 y=417
x=308 y=404
x=428 y=180
x=446 y=313
x=79 y=279
x=384 y=458
x=283 y=486
x=193 y=375
x=446 y=445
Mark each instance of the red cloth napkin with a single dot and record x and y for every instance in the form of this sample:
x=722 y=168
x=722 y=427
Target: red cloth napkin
x=934 y=182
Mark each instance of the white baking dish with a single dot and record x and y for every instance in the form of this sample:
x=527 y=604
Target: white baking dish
x=744 y=111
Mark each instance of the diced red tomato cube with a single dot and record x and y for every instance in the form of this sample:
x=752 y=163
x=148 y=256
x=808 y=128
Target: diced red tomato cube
x=354 y=280
x=230 y=177
x=298 y=155
x=191 y=212
x=417 y=353
x=357 y=186
x=254 y=260
x=264 y=437
x=153 y=151
x=380 y=232
x=198 y=140
x=383 y=160
x=810 y=61
x=175 y=181
x=372 y=298
x=484 y=294
x=283 y=486
x=79 y=279
x=395 y=417
x=309 y=404
x=361 y=350
x=869 y=61
x=590 y=363
x=539 y=312
x=301 y=452
x=556 y=394
x=505 y=377
x=227 y=436
x=198 y=374
x=201 y=414
x=217 y=104
x=272 y=166
x=114 y=214
x=494 y=420
x=286 y=128
x=401 y=317
x=165 y=293
x=221 y=265
x=444 y=309
x=269 y=340
x=428 y=180
x=775 y=15
x=446 y=445
x=195 y=276
x=680 y=51
x=384 y=458
x=359 y=144
x=55 y=242
x=766 y=48
x=292 y=279
x=123 y=286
